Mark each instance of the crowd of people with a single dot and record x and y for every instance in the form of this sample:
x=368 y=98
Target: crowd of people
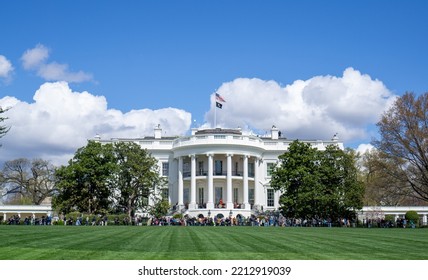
x=30 y=220
x=266 y=219
x=262 y=219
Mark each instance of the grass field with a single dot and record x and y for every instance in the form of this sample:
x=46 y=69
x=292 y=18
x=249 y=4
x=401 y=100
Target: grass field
x=201 y=243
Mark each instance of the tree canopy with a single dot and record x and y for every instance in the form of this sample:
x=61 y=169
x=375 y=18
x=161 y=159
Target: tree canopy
x=317 y=184
x=382 y=185
x=118 y=177
x=83 y=184
x=28 y=180
x=403 y=139
x=135 y=179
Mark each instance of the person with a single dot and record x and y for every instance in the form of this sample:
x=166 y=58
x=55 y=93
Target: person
x=220 y=203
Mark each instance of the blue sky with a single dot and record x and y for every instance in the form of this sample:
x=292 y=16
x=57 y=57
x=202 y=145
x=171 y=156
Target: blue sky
x=161 y=61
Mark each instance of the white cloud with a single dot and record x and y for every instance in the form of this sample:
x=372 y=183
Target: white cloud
x=6 y=67
x=59 y=121
x=59 y=72
x=35 y=59
x=313 y=109
x=364 y=147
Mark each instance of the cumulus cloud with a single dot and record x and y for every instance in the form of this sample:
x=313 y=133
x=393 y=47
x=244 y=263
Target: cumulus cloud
x=313 y=109
x=60 y=120
x=36 y=59
x=6 y=67
x=364 y=147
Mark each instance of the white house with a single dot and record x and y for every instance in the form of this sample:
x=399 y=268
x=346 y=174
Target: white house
x=218 y=171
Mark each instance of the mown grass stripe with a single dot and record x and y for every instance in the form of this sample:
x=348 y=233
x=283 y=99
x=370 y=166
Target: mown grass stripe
x=187 y=243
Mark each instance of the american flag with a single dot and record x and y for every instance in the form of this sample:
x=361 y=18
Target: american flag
x=219 y=98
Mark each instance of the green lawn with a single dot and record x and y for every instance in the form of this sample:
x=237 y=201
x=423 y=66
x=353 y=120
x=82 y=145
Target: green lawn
x=184 y=243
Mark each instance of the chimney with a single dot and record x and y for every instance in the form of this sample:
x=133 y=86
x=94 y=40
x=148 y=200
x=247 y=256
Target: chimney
x=274 y=133
x=158 y=132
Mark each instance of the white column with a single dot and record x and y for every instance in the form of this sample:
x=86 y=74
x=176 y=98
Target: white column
x=210 y=202
x=4 y=217
x=192 y=204
x=180 y=183
x=424 y=219
x=256 y=183
x=229 y=202
x=245 y=203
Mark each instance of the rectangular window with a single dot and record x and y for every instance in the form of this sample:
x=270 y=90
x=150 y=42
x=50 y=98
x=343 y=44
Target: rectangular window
x=269 y=168
x=201 y=196
x=218 y=195
x=165 y=193
x=201 y=168
x=186 y=168
x=270 y=198
x=235 y=195
x=186 y=196
x=218 y=167
x=251 y=196
x=165 y=168
x=251 y=169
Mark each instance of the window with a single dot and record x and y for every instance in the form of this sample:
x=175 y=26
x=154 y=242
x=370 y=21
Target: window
x=251 y=196
x=186 y=196
x=218 y=194
x=165 y=168
x=235 y=195
x=251 y=169
x=218 y=167
x=201 y=196
x=201 y=168
x=186 y=167
x=270 y=198
x=269 y=168
x=165 y=193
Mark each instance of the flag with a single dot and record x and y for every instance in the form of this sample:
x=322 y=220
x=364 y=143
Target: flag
x=219 y=105
x=219 y=98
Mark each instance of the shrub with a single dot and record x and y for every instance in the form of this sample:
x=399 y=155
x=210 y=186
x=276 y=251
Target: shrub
x=412 y=216
x=390 y=218
x=178 y=216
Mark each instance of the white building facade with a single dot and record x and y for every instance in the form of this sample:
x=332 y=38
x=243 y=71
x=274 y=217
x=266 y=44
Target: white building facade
x=219 y=171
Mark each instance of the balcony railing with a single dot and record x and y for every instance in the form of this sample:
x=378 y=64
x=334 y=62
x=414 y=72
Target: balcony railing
x=217 y=173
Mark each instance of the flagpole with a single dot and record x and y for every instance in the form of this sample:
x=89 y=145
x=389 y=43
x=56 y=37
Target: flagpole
x=215 y=115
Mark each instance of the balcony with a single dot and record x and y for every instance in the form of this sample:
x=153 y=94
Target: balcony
x=218 y=139
x=199 y=173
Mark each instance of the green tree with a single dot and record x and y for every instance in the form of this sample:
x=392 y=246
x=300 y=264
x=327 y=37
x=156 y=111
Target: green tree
x=107 y=178
x=136 y=178
x=297 y=178
x=27 y=180
x=160 y=208
x=83 y=185
x=318 y=183
x=403 y=133
x=343 y=192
